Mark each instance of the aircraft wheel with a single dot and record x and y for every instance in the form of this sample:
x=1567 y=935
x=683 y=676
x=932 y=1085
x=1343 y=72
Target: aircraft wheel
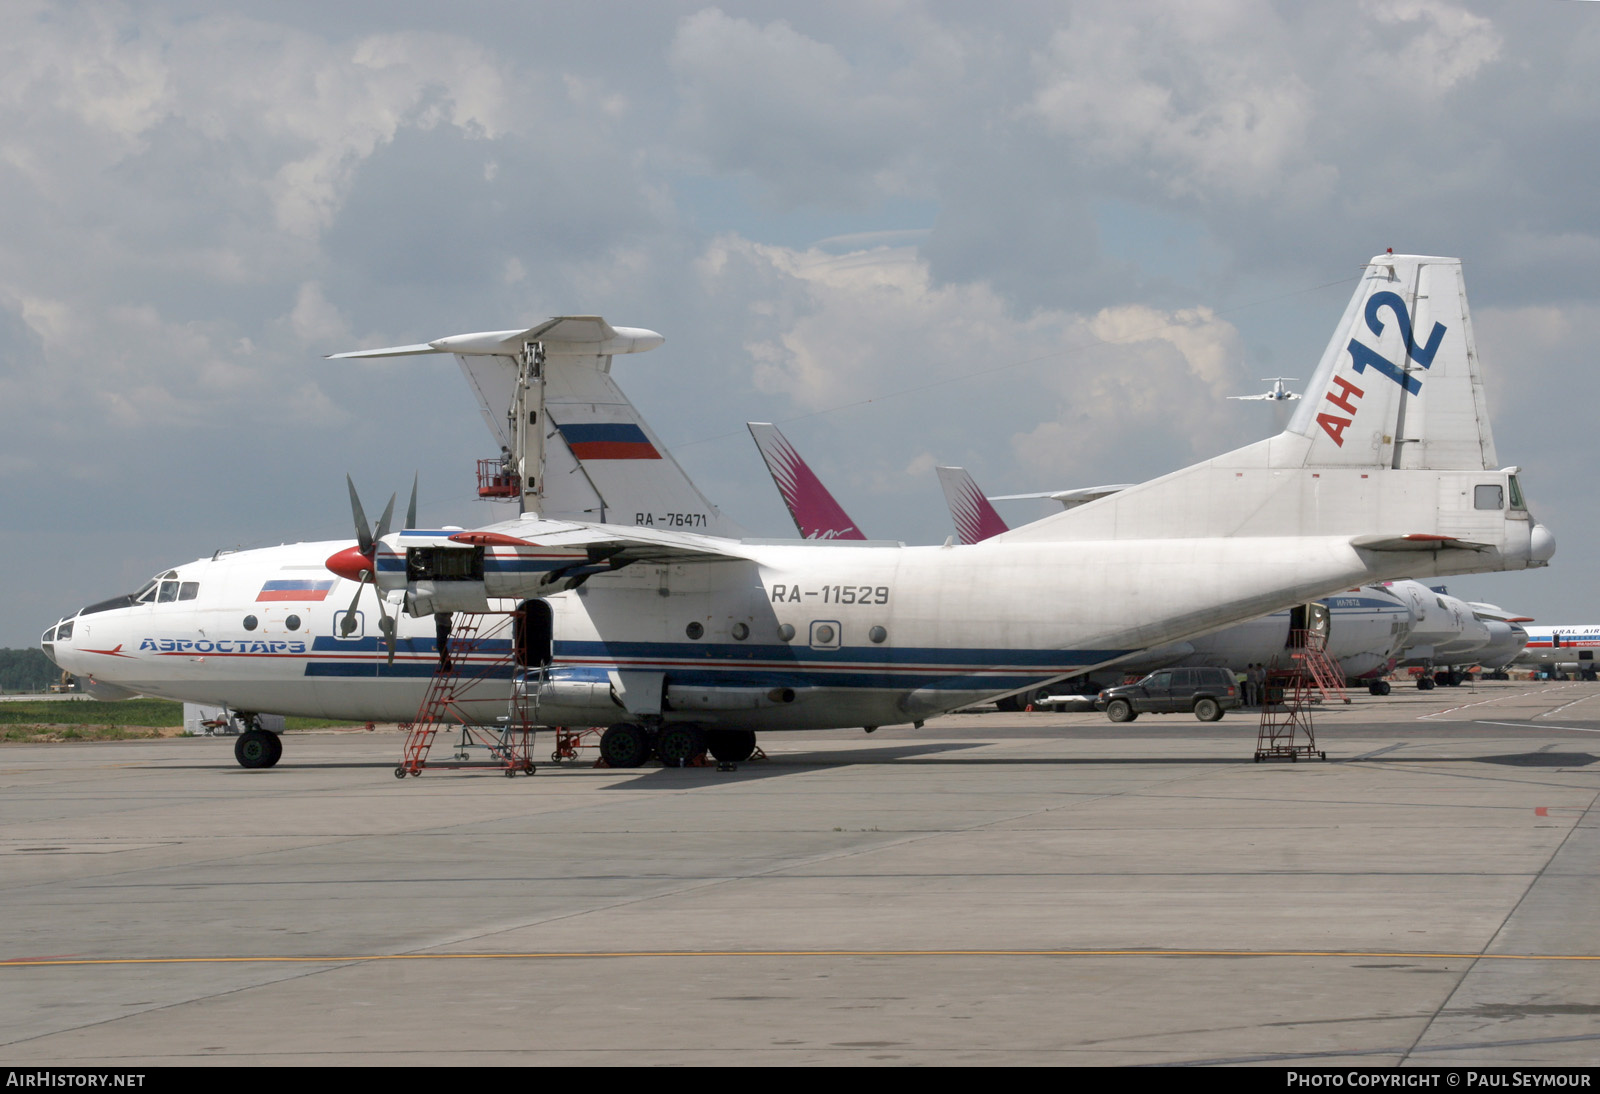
x=678 y=745
x=1424 y=683
x=257 y=748
x=1120 y=710
x=731 y=745
x=1207 y=710
x=624 y=745
x=1379 y=687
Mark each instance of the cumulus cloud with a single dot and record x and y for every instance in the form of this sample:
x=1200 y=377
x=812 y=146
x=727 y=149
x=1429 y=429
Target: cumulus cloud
x=1195 y=93
x=873 y=329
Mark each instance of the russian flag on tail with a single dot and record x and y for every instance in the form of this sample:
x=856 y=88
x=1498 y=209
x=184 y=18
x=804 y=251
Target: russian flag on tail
x=608 y=441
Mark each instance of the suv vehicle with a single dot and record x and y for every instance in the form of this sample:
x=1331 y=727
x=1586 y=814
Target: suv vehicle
x=1207 y=692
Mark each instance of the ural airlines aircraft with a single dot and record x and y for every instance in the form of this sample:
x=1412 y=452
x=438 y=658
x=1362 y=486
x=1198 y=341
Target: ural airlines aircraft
x=1387 y=468
x=1563 y=647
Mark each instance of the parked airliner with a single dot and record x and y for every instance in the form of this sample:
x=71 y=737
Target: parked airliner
x=1388 y=468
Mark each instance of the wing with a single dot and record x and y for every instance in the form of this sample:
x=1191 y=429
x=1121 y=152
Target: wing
x=448 y=570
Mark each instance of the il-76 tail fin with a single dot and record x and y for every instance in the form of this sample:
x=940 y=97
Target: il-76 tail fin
x=1389 y=452
x=816 y=514
x=589 y=455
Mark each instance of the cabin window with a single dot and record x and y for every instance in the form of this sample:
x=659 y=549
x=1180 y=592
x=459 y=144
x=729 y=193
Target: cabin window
x=694 y=630
x=292 y=622
x=1488 y=497
x=741 y=631
x=877 y=634
x=786 y=632
x=250 y=622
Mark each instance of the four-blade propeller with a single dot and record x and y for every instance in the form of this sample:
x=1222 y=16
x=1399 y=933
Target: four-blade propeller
x=360 y=563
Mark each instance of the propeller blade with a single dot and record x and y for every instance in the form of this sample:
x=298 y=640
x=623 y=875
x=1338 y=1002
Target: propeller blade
x=348 y=623
x=389 y=627
x=411 y=510
x=383 y=521
x=363 y=536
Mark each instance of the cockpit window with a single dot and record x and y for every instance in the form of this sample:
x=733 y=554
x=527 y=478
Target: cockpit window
x=168 y=593
x=188 y=590
x=1516 y=493
x=147 y=595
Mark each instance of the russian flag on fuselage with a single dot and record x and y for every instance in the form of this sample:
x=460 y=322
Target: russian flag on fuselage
x=608 y=441
x=294 y=589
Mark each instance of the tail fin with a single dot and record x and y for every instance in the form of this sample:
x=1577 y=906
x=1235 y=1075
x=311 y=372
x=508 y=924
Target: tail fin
x=816 y=514
x=975 y=518
x=602 y=461
x=1390 y=450
x=1399 y=385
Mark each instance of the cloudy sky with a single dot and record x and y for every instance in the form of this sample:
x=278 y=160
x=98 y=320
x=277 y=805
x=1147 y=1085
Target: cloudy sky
x=1043 y=240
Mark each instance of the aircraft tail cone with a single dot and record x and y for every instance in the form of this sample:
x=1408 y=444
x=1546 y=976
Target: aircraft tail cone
x=1543 y=544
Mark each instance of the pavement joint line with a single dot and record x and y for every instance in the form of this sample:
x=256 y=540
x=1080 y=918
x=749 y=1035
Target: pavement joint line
x=1564 y=706
x=537 y=955
x=1530 y=725
x=1483 y=702
x=1460 y=980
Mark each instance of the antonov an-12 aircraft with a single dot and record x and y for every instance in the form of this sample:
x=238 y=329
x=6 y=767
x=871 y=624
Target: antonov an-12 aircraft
x=1387 y=468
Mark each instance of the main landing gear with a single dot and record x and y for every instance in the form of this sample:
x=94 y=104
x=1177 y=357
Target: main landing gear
x=628 y=744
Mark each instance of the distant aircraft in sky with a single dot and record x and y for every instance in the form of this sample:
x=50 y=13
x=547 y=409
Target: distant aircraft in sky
x=1277 y=393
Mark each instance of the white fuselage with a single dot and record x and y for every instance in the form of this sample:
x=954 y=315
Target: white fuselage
x=880 y=635
x=1575 y=644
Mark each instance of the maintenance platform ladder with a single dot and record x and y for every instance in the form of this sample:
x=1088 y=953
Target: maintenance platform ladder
x=450 y=702
x=1286 y=731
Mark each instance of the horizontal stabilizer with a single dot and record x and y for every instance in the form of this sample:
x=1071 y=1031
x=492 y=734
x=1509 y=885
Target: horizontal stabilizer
x=564 y=335
x=1417 y=541
x=1083 y=495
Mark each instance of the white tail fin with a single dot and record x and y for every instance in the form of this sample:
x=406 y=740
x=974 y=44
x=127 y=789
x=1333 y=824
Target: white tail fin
x=1399 y=385
x=816 y=514
x=974 y=517
x=602 y=461
x=1390 y=450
